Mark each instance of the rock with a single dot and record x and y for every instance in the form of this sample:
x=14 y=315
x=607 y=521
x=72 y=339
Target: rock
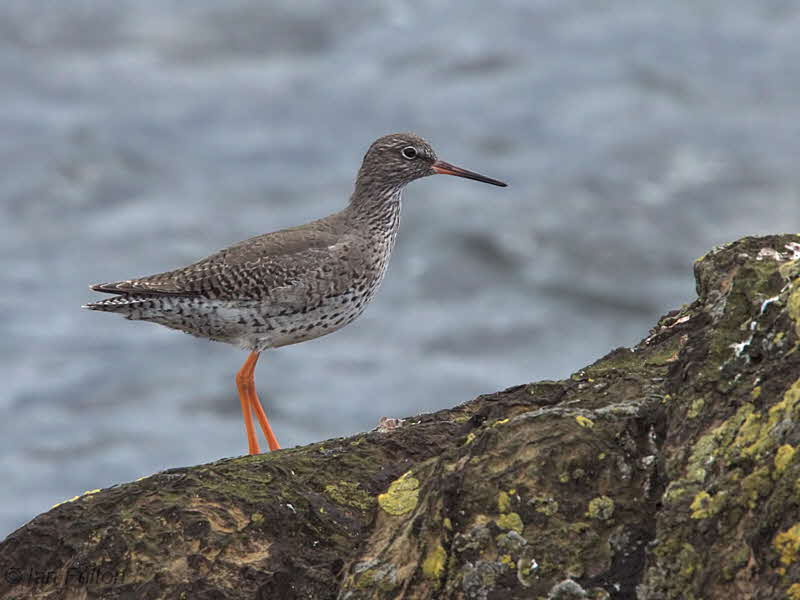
x=667 y=470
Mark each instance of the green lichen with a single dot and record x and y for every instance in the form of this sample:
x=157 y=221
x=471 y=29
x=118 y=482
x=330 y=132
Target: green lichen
x=735 y=561
x=435 y=560
x=526 y=571
x=755 y=485
x=510 y=521
x=372 y=578
x=623 y=359
x=732 y=432
x=546 y=505
x=702 y=456
x=675 y=492
x=783 y=457
x=402 y=495
x=688 y=561
x=447 y=524
x=601 y=508
x=348 y=493
x=695 y=408
x=793 y=306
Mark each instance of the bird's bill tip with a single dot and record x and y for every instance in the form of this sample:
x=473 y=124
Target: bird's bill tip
x=443 y=168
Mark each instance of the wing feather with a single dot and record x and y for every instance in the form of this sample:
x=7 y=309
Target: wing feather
x=288 y=267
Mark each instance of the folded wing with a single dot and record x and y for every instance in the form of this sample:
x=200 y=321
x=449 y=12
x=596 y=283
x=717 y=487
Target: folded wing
x=288 y=268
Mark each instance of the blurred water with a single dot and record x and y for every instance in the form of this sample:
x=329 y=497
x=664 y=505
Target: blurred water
x=137 y=136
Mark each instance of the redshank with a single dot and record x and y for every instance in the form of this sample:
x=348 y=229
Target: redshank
x=292 y=285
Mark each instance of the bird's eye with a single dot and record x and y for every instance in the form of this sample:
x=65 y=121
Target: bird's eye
x=409 y=152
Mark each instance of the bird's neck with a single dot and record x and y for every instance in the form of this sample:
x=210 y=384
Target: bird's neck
x=376 y=207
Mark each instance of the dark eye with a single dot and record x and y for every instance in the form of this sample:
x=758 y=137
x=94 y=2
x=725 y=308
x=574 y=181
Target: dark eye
x=409 y=152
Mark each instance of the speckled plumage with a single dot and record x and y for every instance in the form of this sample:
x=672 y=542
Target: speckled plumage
x=269 y=291
x=291 y=285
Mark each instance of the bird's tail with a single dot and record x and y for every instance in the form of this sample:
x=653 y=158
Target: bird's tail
x=117 y=304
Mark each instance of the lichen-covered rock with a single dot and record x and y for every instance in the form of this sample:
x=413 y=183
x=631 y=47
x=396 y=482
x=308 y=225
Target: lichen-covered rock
x=665 y=471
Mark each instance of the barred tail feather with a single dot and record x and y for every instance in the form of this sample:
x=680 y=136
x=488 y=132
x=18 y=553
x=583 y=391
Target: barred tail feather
x=118 y=304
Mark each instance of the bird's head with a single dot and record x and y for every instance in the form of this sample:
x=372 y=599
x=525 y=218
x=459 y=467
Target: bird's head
x=395 y=160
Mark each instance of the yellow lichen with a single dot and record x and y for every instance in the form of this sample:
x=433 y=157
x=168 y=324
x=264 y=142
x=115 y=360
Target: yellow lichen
x=65 y=501
x=433 y=565
x=755 y=394
x=510 y=521
x=755 y=433
x=402 y=495
x=783 y=457
x=601 y=508
x=507 y=560
x=500 y=422
x=704 y=505
x=470 y=438
x=447 y=524
x=503 y=502
x=793 y=593
x=584 y=421
x=699 y=505
x=86 y=493
x=787 y=544
x=256 y=518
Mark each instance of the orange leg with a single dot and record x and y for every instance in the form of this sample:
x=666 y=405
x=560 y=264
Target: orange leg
x=250 y=405
x=247 y=389
x=272 y=441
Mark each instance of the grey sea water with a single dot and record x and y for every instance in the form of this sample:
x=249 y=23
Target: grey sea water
x=138 y=136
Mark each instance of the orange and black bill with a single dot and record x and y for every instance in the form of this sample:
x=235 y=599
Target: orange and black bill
x=444 y=168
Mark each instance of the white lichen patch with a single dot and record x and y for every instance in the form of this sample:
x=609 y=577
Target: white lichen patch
x=794 y=249
x=768 y=254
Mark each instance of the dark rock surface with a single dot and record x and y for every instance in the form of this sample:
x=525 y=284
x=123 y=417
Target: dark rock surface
x=667 y=470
